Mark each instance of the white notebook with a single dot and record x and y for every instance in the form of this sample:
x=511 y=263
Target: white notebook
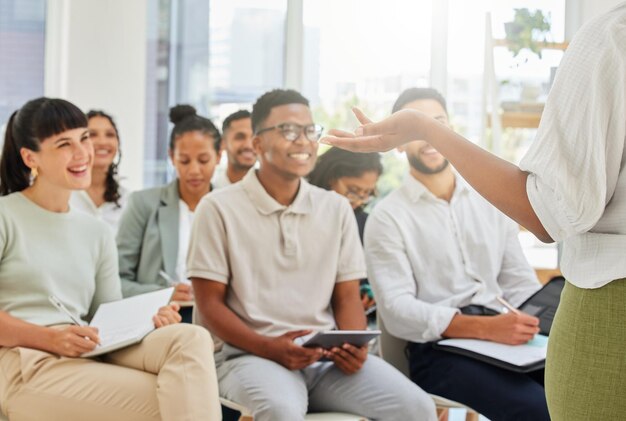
x=525 y=355
x=128 y=321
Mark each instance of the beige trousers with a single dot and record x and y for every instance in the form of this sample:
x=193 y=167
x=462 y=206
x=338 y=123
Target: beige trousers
x=170 y=375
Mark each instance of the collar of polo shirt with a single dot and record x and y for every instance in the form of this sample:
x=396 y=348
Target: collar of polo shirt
x=267 y=205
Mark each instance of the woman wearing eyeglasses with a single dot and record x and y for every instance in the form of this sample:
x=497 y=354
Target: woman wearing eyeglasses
x=354 y=176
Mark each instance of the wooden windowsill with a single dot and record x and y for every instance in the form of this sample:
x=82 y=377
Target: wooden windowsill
x=518 y=119
x=544 y=45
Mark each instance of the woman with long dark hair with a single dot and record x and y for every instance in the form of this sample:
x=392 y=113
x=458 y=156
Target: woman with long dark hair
x=48 y=248
x=105 y=197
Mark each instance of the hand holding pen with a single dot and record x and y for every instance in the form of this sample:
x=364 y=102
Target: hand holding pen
x=74 y=340
x=182 y=290
x=513 y=328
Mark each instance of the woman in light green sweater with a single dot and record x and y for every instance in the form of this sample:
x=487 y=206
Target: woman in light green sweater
x=46 y=249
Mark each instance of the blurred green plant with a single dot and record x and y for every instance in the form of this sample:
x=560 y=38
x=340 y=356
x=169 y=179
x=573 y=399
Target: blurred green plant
x=395 y=168
x=527 y=30
x=342 y=116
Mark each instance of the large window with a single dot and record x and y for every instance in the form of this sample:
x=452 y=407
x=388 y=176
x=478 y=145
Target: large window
x=364 y=53
x=22 y=42
x=177 y=72
x=217 y=56
x=354 y=52
x=246 y=52
x=521 y=81
x=354 y=56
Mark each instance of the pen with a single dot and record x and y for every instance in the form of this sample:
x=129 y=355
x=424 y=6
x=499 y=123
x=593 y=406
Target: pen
x=370 y=310
x=59 y=305
x=507 y=305
x=171 y=281
x=168 y=278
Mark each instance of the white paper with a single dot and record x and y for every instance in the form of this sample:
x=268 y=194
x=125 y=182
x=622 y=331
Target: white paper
x=519 y=355
x=124 y=322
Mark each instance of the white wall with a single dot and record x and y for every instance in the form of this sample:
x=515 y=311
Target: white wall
x=592 y=8
x=96 y=58
x=578 y=12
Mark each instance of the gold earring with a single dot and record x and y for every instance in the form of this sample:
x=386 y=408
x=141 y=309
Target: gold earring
x=34 y=173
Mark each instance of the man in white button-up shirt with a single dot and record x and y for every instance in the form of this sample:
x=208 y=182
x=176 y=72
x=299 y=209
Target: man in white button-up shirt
x=438 y=256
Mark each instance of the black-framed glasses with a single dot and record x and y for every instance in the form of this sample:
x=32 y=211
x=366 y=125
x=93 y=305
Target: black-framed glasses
x=293 y=131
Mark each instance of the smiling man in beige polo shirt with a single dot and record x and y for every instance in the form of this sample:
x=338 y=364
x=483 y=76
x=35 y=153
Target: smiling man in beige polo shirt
x=273 y=259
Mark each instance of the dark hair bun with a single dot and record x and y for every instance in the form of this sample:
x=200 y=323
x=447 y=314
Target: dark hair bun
x=180 y=112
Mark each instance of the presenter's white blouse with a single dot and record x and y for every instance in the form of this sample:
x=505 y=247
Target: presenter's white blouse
x=577 y=182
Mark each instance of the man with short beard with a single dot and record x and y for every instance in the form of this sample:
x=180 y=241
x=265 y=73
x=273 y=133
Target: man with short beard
x=439 y=256
x=237 y=142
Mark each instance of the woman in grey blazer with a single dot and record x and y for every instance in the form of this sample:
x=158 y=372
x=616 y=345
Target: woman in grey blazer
x=154 y=229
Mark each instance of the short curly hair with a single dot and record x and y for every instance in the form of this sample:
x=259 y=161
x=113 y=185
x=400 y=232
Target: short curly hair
x=275 y=98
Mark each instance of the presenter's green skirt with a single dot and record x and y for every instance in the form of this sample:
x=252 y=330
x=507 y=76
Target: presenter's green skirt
x=586 y=364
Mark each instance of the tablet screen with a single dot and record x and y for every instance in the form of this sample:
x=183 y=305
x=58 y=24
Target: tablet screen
x=336 y=338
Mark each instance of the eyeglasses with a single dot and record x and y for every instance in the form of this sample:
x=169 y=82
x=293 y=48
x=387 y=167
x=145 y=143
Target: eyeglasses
x=356 y=195
x=362 y=198
x=293 y=131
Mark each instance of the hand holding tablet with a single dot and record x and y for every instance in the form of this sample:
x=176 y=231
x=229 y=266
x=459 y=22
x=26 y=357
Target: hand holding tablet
x=328 y=339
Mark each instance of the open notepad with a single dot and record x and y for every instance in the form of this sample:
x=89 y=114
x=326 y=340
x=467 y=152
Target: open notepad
x=128 y=321
x=520 y=358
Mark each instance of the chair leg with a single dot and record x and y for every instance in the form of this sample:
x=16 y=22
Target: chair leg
x=472 y=416
x=442 y=414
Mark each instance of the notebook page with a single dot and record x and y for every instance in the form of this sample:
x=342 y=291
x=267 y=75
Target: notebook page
x=130 y=317
x=519 y=355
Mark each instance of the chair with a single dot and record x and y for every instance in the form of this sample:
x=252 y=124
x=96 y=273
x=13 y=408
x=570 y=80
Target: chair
x=246 y=414
x=392 y=351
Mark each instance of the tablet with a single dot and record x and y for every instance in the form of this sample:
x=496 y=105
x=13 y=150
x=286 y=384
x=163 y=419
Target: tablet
x=543 y=303
x=330 y=338
x=185 y=303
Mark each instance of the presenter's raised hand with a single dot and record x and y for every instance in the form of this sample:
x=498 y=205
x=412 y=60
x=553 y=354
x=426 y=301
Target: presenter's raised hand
x=397 y=129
